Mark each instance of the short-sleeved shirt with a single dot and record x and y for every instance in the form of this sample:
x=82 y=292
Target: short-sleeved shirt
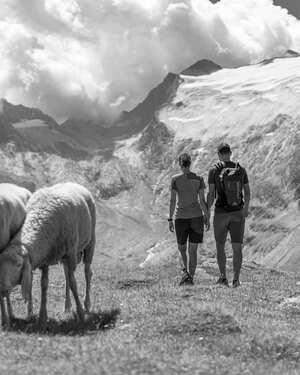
x=212 y=179
x=187 y=187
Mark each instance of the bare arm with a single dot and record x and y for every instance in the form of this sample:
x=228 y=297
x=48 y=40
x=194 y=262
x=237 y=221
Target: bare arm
x=172 y=209
x=203 y=206
x=172 y=203
x=210 y=196
x=202 y=201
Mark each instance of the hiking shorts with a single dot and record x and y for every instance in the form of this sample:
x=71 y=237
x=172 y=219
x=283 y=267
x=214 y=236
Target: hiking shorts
x=232 y=222
x=189 y=229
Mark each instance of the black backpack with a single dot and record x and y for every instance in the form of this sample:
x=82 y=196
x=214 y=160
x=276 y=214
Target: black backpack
x=229 y=186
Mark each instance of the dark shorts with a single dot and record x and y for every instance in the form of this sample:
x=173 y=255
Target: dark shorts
x=189 y=229
x=232 y=222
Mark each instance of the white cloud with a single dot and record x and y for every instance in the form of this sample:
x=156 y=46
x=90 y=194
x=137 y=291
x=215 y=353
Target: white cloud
x=118 y=101
x=92 y=57
x=67 y=11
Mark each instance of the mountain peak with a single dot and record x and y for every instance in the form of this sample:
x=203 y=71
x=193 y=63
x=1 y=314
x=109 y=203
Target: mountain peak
x=136 y=119
x=201 y=67
x=16 y=113
x=291 y=53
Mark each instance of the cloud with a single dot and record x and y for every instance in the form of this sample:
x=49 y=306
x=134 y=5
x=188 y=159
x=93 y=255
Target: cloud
x=88 y=58
x=67 y=12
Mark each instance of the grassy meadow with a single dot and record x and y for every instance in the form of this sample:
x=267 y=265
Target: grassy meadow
x=144 y=323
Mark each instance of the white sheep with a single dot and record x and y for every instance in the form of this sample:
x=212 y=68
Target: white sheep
x=13 y=200
x=59 y=227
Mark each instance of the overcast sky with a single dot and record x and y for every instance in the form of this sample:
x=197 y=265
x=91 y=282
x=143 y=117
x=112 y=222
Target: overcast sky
x=98 y=57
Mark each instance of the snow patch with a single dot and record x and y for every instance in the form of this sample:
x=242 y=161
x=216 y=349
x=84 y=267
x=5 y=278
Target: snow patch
x=125 y=150
x=229 y=101
x=292 y=301
x=158 y=252
x=26 y=124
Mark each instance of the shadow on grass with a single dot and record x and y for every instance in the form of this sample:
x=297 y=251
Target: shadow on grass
x=134 y=283
x=93 y=322
x=204 y=323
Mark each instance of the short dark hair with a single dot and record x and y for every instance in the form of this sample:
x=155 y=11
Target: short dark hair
x=224 y=148
x=185 y=160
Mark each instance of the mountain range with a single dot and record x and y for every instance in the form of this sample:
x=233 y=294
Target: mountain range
x=128 y=165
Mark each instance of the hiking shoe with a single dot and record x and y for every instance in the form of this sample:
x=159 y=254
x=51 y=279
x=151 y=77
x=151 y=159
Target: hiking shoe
x=222 y=281
x=236 y=283
x=189 y=281
x=185 y=278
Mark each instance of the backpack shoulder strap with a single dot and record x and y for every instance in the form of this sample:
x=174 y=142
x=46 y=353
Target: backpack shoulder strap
x=219 y=168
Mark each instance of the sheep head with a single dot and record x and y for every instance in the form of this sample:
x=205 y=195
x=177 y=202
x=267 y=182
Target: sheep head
x=15 y=268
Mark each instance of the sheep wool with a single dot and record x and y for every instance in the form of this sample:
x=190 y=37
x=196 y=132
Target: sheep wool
x=13 y=200
x=60 y=225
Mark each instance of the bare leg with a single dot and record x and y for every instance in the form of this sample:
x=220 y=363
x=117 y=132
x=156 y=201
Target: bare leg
x=237 y=259
x=88 y=275
x=68 y=303
x=44 y=288
x=73 y=287
x=4 y=317
x=221 y=258
x=192 y=258
x=183 y=259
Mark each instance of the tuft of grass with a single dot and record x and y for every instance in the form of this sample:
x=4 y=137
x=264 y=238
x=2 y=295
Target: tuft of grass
x=275 y=348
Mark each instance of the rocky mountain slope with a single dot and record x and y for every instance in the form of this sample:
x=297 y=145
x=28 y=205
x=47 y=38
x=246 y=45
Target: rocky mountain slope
x=101 y=138
x=201 y=68
x=30 y=129
x=128 y=166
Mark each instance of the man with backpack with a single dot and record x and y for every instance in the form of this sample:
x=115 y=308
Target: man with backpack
x=188 y=202
x=227 y=182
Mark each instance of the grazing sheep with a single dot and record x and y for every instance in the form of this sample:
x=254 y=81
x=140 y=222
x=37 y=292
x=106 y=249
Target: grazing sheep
x=59 y=227
x=13 y=200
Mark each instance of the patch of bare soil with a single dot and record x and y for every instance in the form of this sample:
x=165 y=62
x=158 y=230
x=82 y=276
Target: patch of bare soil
x=135 y=283
x=204 y=323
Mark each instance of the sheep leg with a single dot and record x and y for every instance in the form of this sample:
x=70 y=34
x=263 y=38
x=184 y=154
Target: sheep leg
x=88 y=275
x=9 y=308
x=73 y=287
x=68 y=303
x=29 y=308
x=44 y=288
x=4 y=317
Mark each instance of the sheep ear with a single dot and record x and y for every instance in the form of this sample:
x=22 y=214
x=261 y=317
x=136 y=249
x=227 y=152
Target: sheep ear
x=26 y=283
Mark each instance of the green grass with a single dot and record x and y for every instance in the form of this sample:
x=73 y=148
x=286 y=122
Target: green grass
x=144 y=323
